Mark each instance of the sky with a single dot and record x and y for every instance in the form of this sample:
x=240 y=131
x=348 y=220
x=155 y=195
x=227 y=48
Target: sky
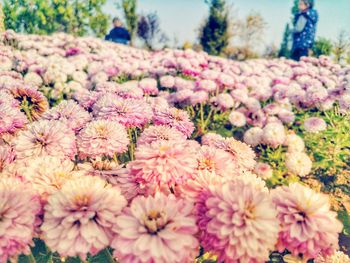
x=181 y=18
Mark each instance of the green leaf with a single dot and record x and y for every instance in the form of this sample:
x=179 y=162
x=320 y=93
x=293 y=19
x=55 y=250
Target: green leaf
x=345 y=219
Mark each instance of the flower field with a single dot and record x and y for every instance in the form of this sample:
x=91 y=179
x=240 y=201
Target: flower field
x=114 y=154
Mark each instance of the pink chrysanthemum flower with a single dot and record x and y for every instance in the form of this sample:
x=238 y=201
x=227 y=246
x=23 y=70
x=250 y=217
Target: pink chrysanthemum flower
x=175 y=118
x=215 y=160
x=149 y=86
x=161 y=132
x=211 y=138
x=337 y=257
x=237 y=119
x=129 y=112
x=315 y=124
x=45 y=174
x=263 y=170
x=274 y=134
x=69 y=112
x=11 y=119
x=102 y=138
x=253 y=136
x=163 y=165
x=242 y=154
x=167 y=82
x=79 y=217
x=298 y=163
x=308 y=227
x=223 y=101
x=19 y=207
x=46 y=138
x=237 y=221
x=155 y=230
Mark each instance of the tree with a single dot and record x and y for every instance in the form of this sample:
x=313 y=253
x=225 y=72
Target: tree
x=214 y=35
x=77 y=17
x=284 y=49
x=323 y=46
x=341 y=47
x=148 y=29
x=129 y=9
x=251 y=30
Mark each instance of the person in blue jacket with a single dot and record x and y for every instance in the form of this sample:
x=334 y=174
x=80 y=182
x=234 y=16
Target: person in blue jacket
x=118 y=34
x=305 y=22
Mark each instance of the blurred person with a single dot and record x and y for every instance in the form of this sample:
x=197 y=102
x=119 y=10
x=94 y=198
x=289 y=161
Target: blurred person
x=118 y=34
x=305 y=22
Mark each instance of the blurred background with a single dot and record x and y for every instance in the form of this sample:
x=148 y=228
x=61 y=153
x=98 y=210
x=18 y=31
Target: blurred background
x=237 y=29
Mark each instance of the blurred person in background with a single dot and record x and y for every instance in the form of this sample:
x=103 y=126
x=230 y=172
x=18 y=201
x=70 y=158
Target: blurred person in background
x=305 y=22
x=118 y=34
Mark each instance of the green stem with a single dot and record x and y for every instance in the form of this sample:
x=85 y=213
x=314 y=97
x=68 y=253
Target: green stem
x=132 y=146
x=25 y=108
x=208 y=118
x=115 y=158
x=31 y=258
x=202 y=117
x=107 y=255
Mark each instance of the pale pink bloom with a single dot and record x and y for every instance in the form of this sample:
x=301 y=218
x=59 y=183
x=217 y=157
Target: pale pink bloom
x=315 y=125
x=7 y=155
x=78 y=218
x=19 y=208
x=11 y=119
x=294 y=143
x=298 y=163
x=102 y=138
x=46 y=138
x=69 y=112
x=215 y=160
x=87 y=98
x=308 y=227
x=162 y=165
x=337 y=257
x=242 y=155
x=237 y=119
x=237 y=221
x=222 y=102
x=156 y=230
x=263 y=170
x=253 y=136
x=226 y=80
x=286 y=116
x=183 y=95
x=130 y=90
x=158 y=133
x=199 y=97
x=129 y=112
x=167 y=82
x=211 y=138
x=45 y=174
x=274 y=134
x=175 y=118
x=206 y=85
x=149 y=86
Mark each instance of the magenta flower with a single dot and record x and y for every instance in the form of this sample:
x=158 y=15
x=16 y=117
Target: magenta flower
x=79 y=217
x=19 y=208
x=154 y=230
x=308 y=227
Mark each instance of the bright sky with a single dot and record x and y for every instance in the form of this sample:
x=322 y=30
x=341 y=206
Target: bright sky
x=181 y=18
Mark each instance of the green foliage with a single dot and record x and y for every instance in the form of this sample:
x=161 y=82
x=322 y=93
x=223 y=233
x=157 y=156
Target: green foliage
x=130 y=15
x=77 y=17
x=2 y=24
x=330 y=148
x=284 y=49
x=322 y=46
x=214 y=35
